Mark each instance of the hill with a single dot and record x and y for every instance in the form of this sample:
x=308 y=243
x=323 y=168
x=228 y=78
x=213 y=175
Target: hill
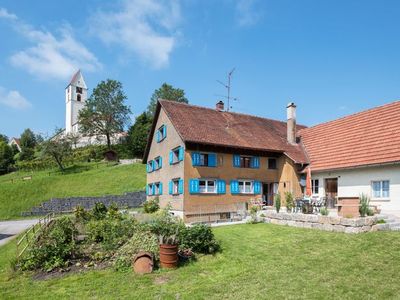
x=96 y=179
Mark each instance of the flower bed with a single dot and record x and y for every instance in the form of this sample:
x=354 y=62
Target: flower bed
x=327 y=223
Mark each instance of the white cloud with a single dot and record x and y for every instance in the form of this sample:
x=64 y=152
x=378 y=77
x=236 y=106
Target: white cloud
x=13 y=99
x=247 y=12
x=50 y=56
x=143 y=27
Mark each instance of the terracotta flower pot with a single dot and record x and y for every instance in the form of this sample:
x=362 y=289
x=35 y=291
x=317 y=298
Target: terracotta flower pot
x=168 y=256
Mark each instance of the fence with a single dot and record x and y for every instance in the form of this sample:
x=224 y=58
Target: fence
x=31 y=234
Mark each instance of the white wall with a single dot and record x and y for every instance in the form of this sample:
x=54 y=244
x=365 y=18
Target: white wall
x=351 y=183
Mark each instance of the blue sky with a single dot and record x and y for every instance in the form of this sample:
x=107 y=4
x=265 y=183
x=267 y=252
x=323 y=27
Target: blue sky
x=331 y=58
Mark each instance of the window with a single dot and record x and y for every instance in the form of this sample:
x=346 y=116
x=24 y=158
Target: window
x=245 y=187
x=207 y=186
x=78 y=97
x=245 y=161
x=157 y=188
x=79 y=90
x=240 y=161
x=176 y=155
x=175 y=188
x=380 y=189
x=204 y=159
x=161 y=133
x=272 y=163
x=315 y=186
x=150 y=189
x=157 y=163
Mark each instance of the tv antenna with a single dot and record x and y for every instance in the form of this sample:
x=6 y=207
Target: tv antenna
x=228 y=88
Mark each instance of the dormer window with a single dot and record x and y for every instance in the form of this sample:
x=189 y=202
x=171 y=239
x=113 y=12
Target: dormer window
x=79 y=90
x=78 y=97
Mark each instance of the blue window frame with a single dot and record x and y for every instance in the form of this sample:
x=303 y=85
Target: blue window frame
x=243 y=161
x=161 y=133
x=245 y=186
x=176 y=186
x=204 y=159
x=207 y=186
x=176 y=155
x=157 y=163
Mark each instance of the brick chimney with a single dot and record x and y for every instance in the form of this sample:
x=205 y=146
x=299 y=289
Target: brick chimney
x=219 y=106
x=291 y=123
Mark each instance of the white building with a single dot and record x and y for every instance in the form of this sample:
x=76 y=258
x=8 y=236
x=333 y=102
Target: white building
x=357 y=154
x=75 y=98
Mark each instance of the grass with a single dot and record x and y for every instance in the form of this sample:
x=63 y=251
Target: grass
x=260 y=261
x=83 y=180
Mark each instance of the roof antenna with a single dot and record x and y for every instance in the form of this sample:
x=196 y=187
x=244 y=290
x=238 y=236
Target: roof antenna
x=228 y=88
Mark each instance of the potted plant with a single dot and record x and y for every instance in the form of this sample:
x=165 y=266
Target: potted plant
x=168 y=251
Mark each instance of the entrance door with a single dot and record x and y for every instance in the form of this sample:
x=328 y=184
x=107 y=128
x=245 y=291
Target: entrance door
x=265 y=193
x=331 y=191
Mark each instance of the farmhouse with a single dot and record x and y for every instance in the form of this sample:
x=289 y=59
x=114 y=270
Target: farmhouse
x=208 y=164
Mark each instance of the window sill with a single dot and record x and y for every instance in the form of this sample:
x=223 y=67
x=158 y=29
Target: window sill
x=161 y=140
x=380 y=199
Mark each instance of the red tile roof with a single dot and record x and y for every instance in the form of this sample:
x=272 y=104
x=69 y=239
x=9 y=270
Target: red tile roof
x=208 y=126
x=366 y=138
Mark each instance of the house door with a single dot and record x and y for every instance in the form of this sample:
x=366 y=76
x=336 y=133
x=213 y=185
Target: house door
x=331 y=191
x=265 y=193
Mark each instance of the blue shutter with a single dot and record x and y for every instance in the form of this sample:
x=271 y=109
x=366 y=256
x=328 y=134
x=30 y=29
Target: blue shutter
x=153 y=164
x=180 y=186
x=147 y=168
x=180 y=154
x=160 y=188
x=171 y=157
x=193 y=186
x=158 y=136
x=236 y=161
x=165 y=131
x=257 y=187
x=212 y=160
x=221 y=186
x=147 y=189
x=153 y=189
x=160 y=163
x=255 y=162
x=234 y=187
x=171 y=187
x=195 y=158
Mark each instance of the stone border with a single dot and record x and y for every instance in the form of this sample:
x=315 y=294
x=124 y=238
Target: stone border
x=326 y=223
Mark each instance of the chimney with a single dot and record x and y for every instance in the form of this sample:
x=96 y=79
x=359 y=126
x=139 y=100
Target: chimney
x=291 y=123
x=219 y=106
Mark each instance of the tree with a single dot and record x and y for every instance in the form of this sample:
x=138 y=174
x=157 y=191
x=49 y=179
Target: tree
x=6 y=157
x=58 y=147
x=105 y=112
x=167 y=92
x=138 y=134
x=3 y=138
x=27 y=143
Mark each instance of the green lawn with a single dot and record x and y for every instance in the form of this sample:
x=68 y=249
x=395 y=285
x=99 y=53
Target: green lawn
x=86 y=180
x=260 y=261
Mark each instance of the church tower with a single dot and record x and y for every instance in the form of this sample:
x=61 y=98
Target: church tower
x=75 y=98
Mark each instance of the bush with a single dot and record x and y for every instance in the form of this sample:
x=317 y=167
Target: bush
x=54 y=246
x=166 y=227
x=364 y=205
x=324 y=211
x=370 y=212
x=289 y=201
x=199 y=238
x=277 y=202
x=81 y=215
x=99 y=211
x=141 y=240
x=110 y=233
x=151 y=205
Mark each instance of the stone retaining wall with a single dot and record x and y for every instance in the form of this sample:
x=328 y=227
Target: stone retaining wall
x=62 y=205
x=327 y=223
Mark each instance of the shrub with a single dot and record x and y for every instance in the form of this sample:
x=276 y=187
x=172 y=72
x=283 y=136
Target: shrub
x=381 y=221
x=151 y=205
x=364 y=205
x=324 y=211
x=113 y=212
x=110 y=233
x=81 y=215
x=99 y=211
x=166 y=227
x=199 y=238
x=54 y=246
x=141 y=240
x=370 y=212
x=277 y=202
x=289 y=201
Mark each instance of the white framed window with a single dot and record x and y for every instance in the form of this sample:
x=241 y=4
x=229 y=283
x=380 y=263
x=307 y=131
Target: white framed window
x=207 y=186
x=380 y=189
x=157 y=188
x=161 y=133
x=315 y=186
x=150 y=189
x=175 y=186
x=246 y=186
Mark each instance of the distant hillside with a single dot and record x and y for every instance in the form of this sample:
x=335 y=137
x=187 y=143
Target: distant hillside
x=17 y=195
